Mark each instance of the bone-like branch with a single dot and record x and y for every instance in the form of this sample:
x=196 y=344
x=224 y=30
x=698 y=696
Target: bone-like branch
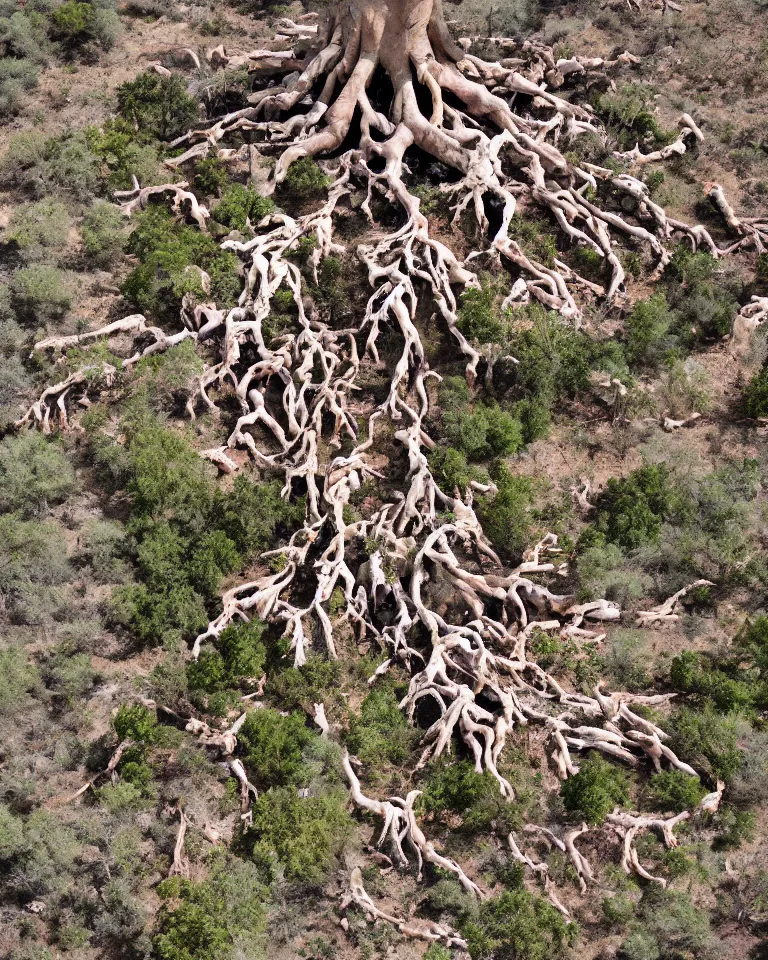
x=665 y=612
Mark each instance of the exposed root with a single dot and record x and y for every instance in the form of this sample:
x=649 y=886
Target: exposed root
x=665 y=612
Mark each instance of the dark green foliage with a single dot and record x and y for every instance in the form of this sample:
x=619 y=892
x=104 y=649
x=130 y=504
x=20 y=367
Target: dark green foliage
x=646 y=331
x=754 y=399
x=210 y=177
x=479 y=314
x=451 y=469
x=159 y=107
x=673 y=791
x=761 y=267
x=693 y=673
x=630 y=510
x=34 y=474
x=381 y=734
x=166 y=249
x=459 y=788
x=40 y=294
x=81 y=26
x=707 y=740
x=116 y=146
x=103 y=233
x=703 y=296
x=240 y=654
x=555 y=359
x=479 y=431
x=272 y=746
x=208 y=919
x=135 y=723
x=188 y=534
x=505 y=514
x=535 y=420
x=240 y=204
x=304 y=181
x=734 y=827
x=518 y=925
x=595 y=790
x=667 y=927
x=628 y=112
x=300 y=687
x=299 y=836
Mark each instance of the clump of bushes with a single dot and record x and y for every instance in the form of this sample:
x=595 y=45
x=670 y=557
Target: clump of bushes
x=103 y=233
x=479 y=431
x=595 y=790
x=158 y=107
x=240 y=654
x=297 y=837
x=273 y=745
x=505 y=515
x=35 y=474
x=381 y=733
x=304 y=181
x=630 y=510
x=40 y=294
x=41 y=165
x=646 y=331
x=40 y=228
x=166 y=250
x=239 y=205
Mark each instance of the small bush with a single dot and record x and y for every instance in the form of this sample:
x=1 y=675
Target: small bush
x=479 y=314
x=34 y=474
x=213 y=918
x=505 y=514
x=240 y=654
x=630 y=510
x=79 y=26
x=273 y=746
x=40 y=294
x=298 y=836
x=673 y=791
x=381 y=734
x=595 y=790
x=482 y=431
x=518 y=925
x=40 y=228
x=135 y=723
x=18 y=679
x=17 y=77
x=707 y=740
x=451 y=470
x=754 y=399
x=239 y=205
x=647 y=328
x=304 y=180
x=103 y=233
x=159 y=107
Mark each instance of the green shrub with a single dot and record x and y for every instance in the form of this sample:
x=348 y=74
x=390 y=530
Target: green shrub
x=103 y=233
x=754 y=399
x=218 y=917
x=40 y=294
x=210 y=177
x=273 y=746
x=630 y=510
x=674 y=791
x=518 y=925
x=166 y=249
x=707 y=740
x=116 y=147
x=159 y=107
x=628 y=111
x=505 y=514
x=734 y=827
x=554 y=358
x=300 y=687
x=304 y=180
x=240 y=654
x=298 y=836
x=11 y=835
x=17 y=77
x=18 y=679
x=240 y=204
x=40 y=228
x=33 y=556
x=458 y=788
x=34 y=474
x=381 y=734
x=42 y=165
x=23 y=35
x=693 y=673
x=595 y=790
x=136 y=723
x=483 y=432
x=668 y=926
x=479 y=315
x=82 y=25
x=647 y=328
x=603 y=572
x=451 y=470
